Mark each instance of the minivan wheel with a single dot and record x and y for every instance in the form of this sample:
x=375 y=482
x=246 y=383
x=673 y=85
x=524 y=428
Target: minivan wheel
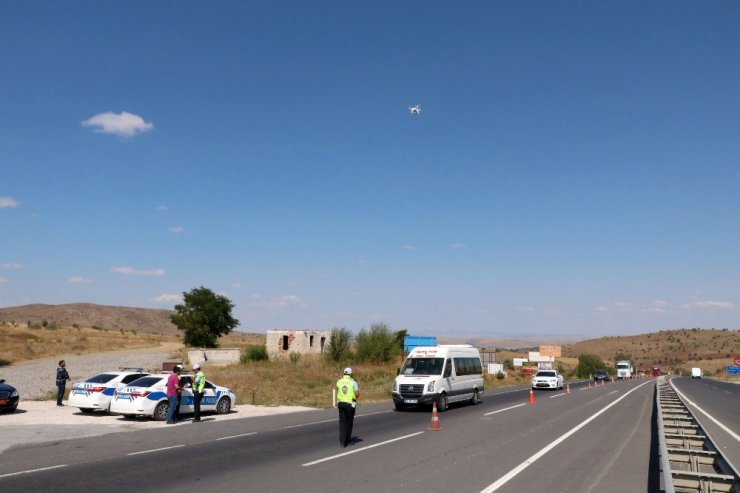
x=442 y=402
x=475 y=400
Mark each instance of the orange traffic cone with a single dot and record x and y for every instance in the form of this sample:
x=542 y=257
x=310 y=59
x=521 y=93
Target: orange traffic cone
x=531 y=396
x=435 y=418
x=567 y=388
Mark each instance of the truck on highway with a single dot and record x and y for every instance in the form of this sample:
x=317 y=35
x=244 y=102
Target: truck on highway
x=439 y=374
x=696 y=373
x=624 y=370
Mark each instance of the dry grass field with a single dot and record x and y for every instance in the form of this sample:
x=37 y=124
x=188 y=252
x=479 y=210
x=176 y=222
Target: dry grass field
x=309 y=380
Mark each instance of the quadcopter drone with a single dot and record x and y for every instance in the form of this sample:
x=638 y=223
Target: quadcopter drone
x=415 y=110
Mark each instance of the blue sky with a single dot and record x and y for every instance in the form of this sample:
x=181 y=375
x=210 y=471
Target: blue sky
x=574 y=172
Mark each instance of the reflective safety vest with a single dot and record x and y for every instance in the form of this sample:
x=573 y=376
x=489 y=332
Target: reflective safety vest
x=346 y=389
x=199 y=383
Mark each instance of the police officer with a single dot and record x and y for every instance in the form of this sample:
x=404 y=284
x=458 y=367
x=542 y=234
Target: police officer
x=347 y=394
x=199 y=385
x=62 y=379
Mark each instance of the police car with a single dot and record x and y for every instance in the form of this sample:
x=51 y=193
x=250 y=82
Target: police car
x=97 y=392
x=147 y=396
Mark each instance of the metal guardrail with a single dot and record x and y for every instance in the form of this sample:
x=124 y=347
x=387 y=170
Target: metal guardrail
x=689 y=459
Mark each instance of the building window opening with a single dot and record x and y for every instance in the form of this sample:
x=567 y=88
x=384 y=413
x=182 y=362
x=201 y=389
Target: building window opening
x=310 y=341
x=323 y=340
x=285 y=343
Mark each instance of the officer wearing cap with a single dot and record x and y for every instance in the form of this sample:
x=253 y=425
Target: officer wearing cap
x=198 y=387
x=347 y=394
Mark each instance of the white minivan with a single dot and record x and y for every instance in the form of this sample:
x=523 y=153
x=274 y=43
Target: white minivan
x=441 y=374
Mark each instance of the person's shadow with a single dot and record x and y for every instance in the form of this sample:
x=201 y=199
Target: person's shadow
x=355 y=440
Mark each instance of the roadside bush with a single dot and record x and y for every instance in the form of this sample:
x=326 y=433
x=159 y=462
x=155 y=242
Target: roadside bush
x=588 y=364
x=254 y=353
x=378 y=345
x=339 y=345
x=294 y=357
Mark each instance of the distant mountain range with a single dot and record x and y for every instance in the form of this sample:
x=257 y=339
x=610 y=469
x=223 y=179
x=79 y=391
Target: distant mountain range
x=145 y=320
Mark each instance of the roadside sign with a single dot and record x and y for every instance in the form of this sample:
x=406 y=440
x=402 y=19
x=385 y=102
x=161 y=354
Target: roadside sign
x=737 y=361
x=733 y=370
x=553 y=351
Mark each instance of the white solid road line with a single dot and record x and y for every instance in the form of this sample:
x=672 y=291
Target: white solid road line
x=236 y=436
x=514 y=472
x=31 y=471
x=360 y=449
x=155 y=450
x=689 y=401
x=505 y=409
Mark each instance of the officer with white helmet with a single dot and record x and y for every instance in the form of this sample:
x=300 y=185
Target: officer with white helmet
x=347 y=394
x=198 y=387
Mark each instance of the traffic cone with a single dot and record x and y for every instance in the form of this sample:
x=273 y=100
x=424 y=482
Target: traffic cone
x=435 y=418
x=531 y=396
x=612 y=379
x=567 y=388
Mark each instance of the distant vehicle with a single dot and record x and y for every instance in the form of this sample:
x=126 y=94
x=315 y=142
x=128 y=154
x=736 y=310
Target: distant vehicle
x=147 y=396
x=696 y=373
x=548 y=379
x=601 y=375
x=624 y=370
x=441 y=374
x=8 y=397
x=96 y=392
x=415 y=110
x=655 y=371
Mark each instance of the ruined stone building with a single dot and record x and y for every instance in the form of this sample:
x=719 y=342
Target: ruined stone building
x=280 y=343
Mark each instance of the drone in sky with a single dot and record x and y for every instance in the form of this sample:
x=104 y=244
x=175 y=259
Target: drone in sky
x=415 y=110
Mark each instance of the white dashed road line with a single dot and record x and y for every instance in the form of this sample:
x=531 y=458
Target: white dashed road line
x=236 y=436
x=155 y=450
x=325 y=459
x=31 y=471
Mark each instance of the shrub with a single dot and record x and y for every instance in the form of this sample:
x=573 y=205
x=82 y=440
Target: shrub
x=254 y=353
x=378 y=345
x=338 y=347
x=294 y=357
x=500 y=375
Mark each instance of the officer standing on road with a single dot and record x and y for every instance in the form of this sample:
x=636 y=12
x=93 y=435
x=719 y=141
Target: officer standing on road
x=62 y=379
x=199 y=385
x=347 y=394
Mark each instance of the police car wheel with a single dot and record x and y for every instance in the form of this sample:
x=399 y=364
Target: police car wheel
x=160 y=412
x=223 y=406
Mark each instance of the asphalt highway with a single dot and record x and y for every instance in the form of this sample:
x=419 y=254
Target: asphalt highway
x=590 y=440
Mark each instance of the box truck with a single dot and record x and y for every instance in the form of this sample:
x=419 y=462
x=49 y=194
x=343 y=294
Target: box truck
x=624 y=370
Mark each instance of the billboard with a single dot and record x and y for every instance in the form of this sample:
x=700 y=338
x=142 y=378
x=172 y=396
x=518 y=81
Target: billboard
x=553 y=351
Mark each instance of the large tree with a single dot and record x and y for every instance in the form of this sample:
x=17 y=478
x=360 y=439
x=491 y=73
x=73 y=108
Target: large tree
x=204 y=317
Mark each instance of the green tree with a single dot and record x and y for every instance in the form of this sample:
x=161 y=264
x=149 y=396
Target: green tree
x=400 y=335
x=204 y=317
x=377 y=345
x=588 y=364
x=339 y=342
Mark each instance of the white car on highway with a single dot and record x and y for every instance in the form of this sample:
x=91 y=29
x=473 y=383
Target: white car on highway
x=147 y=396
x=547 y=379
x=96 y=392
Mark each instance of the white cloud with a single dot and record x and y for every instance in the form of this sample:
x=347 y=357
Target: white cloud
x=2 y=280
x=176 y=229
x=236 y=285
x=457 y=245
x=11 y=265
x=80 y=280
x=7 y=202
x=709 y=305
x=162 y=208
x=280 y=302
x=409 y=247
x=130 y=271
x=168 y=298
x=123 y=124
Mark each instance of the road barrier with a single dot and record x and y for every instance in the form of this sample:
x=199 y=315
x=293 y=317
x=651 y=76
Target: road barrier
x=689 y=459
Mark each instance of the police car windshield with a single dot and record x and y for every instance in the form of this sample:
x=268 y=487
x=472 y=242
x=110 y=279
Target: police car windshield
x=423 y=366
x=102 y=378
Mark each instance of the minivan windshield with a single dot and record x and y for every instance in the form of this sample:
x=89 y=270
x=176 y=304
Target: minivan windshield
x=423 y=366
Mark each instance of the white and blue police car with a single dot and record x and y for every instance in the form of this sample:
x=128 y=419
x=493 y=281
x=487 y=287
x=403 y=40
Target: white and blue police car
x=147 y=396
x=97 y=392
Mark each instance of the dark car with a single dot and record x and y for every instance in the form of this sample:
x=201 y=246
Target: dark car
x=601 y=376
x=8 y=397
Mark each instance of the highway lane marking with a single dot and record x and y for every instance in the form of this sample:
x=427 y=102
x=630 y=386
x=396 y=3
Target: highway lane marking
x=726 y=429
x=155 y=450
x=30 y=471
x=331 y=420
x=237 y=436
x=514 y=472
x=325 y=459
x=505 y=409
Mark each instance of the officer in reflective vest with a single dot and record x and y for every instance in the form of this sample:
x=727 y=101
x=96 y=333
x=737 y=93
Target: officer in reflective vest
x=347 y=394
x=198 y=386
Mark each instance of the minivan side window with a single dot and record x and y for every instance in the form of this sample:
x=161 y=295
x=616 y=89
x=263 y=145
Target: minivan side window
x=448 y=368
